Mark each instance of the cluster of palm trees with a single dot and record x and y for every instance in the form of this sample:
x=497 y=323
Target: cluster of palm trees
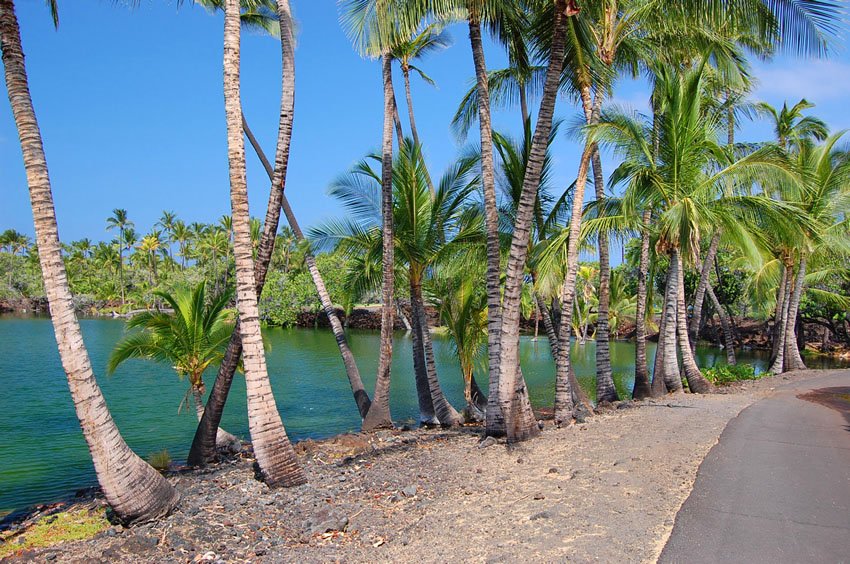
x=483 y=258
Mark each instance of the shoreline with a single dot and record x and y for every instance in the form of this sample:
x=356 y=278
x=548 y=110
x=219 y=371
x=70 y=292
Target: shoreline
x=435 y=495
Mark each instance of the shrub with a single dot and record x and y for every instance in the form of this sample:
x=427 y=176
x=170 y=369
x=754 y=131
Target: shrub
x=728 y=373
x=160 y=460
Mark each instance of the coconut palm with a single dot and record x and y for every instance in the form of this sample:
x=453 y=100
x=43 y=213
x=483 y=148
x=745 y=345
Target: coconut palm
x=119 y=220
x=432 y=38
x=191 y=338
x=428 y=228
x=133 y=488
x=276 y=458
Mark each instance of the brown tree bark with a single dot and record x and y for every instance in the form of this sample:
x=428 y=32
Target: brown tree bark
x=697 y=383
x=135 y=491
x=793 y=360
x=379 y=412
x=275 y=456
x=642 y=388
x=728 y=335
x=705 y=273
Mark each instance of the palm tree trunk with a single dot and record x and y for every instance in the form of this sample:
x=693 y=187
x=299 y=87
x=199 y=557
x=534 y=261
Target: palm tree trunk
x=409 y=99
x=361 y=397
x=520 y=423
x=642 y=387
x=563 y=396
x=203 y=444
x=275 y=456
x=399 y=132
x=427 y=411
x=405 y=321
x=697 y=383
x=576 y=392
x=495 y=418
x=728 y=335
x=778 y=366
x=135 y=491
x=446 y=414
x=793 y=360
x=776 y=333
x=605 y=389
x=223 y=439
x=379 y=412
x=667 y=377
x=705 y=273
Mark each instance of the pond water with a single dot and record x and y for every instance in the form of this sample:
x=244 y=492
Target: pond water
x=43 y=456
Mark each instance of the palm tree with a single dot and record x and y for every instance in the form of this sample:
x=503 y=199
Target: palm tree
x=275 y=457
x=375 y=27
x=133 y=488
x=191 y=339
x=428 y=228
x=149 y=246
x=255 y=13
x=119 y=220
x=432 y=38
x=683 y=185
x=183 y=236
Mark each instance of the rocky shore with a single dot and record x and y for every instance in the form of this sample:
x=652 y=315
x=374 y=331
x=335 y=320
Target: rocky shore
x=607 y=489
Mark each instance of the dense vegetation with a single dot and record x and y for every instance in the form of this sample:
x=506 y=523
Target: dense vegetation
x=714 y=226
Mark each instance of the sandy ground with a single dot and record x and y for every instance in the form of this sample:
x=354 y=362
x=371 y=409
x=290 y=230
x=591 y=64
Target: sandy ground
x=605 y=490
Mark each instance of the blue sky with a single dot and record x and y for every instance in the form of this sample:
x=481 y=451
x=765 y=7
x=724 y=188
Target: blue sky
x=131 y=109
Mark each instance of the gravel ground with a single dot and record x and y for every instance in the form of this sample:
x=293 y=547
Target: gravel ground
x=605 y=490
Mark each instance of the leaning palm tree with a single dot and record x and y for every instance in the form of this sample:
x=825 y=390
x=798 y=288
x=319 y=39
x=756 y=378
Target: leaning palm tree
x=192 y=338
x=133 y=488
x=276 y=458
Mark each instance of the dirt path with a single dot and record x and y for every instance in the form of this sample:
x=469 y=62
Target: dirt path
x=605 y=490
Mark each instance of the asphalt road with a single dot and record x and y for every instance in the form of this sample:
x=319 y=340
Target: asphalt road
x=776 y=487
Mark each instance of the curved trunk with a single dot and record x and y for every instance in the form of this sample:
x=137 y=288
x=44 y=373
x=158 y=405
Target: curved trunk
x=275 y=456
x=427 y=412
x=642 y=387
x=133 y=488
x=399 y=132
x=520 y=423
x=778 y=366
x=728 y=335
x=697 y=383
x=379 y=412
x=793 y=360
x=495 y=418
x=203 y=444
x=705 y=273
x=409 y=99
x=666 y=361
x=446 y=414
x=407 y=326
x=224 y=441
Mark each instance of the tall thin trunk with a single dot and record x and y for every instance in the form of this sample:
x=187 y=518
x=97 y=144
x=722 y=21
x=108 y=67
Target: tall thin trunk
x=446 y=414
x=361 y=397
x=405 y=70
x=793 y=360
x=642 y=387
x=697 y=383
x=405 y=321
x=275 y=456
x=728 y=336
x=523 y=105
x=399 y=132
x=495 y=418
x=379 y=412
x=577 y=394
x=427 y=412
x=776 y=331
x=778 y=365
x=705 y=273
x=520 y=423
x=605 y=389
x=203 y=444
x=135 y=491
x=667 y=364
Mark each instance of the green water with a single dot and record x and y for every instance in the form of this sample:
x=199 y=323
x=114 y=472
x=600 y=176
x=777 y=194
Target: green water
x=43 y=456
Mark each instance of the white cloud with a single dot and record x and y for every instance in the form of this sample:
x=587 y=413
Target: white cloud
x=817 y=81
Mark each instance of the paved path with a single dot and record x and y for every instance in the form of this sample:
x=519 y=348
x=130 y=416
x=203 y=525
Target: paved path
x=776 y=487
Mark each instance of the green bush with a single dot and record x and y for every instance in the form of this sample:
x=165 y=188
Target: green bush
x=160 y=460
x=728 y=373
